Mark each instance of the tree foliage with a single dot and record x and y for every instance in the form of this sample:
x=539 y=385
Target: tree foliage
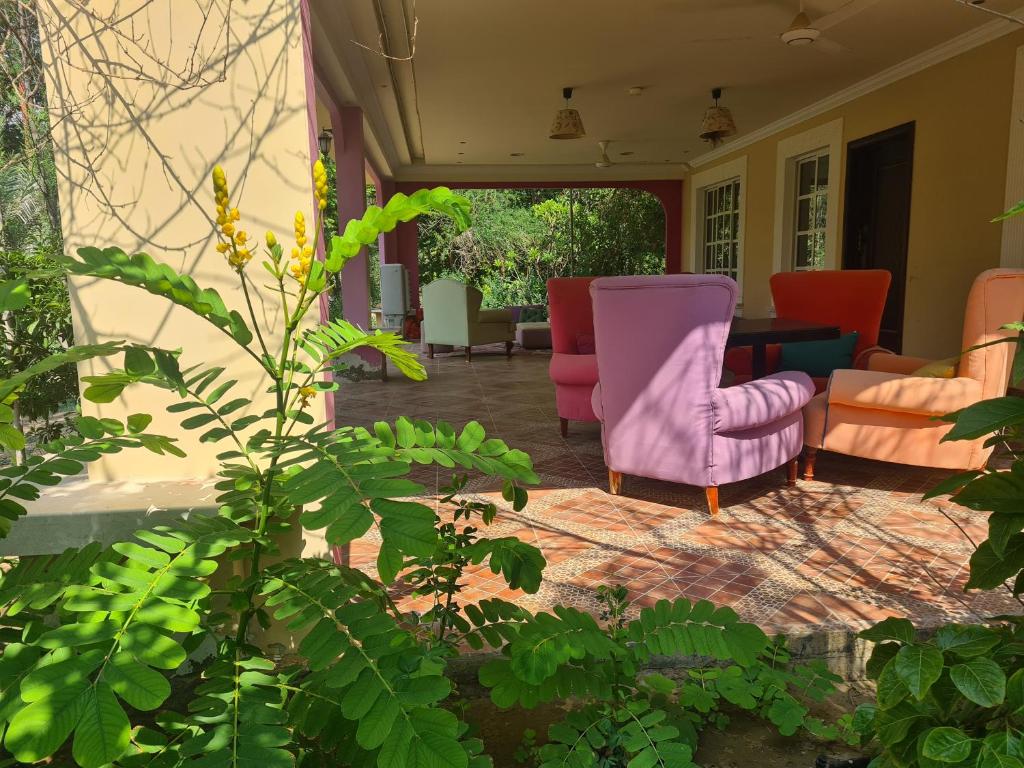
x=522 y=237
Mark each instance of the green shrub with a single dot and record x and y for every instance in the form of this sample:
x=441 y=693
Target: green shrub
x=626 y=716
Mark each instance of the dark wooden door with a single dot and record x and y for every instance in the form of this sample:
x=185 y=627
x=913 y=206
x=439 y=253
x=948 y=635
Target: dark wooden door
x=879 y=169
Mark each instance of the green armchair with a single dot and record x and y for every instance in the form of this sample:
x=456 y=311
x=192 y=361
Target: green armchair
x=452 y=316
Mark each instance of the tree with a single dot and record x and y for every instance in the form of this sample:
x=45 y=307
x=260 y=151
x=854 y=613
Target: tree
x=522 y=237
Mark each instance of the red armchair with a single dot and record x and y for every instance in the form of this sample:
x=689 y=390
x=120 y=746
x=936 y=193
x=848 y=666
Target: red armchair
x=853 y=299
x=573 y=366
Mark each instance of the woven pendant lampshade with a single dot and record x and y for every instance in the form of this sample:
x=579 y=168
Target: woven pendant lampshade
x=567 y=123
x=717 y=123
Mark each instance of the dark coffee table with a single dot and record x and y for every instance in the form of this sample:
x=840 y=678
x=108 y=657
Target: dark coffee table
x=759 y=332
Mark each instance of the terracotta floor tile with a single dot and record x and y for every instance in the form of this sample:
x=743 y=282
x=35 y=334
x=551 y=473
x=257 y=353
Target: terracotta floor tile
x=850 y=548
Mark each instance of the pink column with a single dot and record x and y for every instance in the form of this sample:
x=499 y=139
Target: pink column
x=388 y=241
x=408 y=253
x=350 y=158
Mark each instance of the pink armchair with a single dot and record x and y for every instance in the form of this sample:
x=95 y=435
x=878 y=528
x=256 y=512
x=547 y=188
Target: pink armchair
x=660 y=345
x=573 y=363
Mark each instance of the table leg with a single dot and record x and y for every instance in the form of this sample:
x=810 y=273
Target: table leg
x=759 y=363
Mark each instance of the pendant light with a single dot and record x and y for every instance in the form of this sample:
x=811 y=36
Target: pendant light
x=567 y=123
x=717 y=123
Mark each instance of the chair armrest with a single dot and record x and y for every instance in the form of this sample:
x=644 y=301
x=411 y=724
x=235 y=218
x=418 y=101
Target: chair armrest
x=494 y=316
x=761 y=402
x=889 y=362
x=885 y=391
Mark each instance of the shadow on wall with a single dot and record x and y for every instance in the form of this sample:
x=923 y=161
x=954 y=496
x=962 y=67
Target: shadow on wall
x=144 y=99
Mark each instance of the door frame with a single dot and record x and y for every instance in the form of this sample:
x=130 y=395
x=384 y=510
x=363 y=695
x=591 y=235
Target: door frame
x=909 y=130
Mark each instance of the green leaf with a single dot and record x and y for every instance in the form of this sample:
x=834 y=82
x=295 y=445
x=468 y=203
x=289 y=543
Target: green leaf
x=102 y=735
x=137 y=422
x=47 y=364
x=981 y=681
x=141 y=271
x=14 y=295
x=990 y=569
x=947 y=745
x=138 y=362
x=966 y=640
x=918 y=666
x=994 y=492
x=899 y=630
x=140 y=686
x=985 y=417
x=38 y=730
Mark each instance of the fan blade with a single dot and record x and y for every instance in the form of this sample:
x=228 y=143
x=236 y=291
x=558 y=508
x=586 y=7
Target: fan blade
x=830 y=46
x=699 y=40
x=852 y=8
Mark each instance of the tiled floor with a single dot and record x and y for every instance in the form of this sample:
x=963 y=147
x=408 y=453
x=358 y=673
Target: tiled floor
x=848 y=549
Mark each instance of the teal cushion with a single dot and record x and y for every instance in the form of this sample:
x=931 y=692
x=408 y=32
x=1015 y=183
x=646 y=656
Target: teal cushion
x=819 y=358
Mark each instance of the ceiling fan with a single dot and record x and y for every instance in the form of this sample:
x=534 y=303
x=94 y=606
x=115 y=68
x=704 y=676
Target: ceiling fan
x=803 y=30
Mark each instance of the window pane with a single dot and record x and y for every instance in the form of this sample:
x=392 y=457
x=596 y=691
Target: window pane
x=819 y=250
x=803 y=214
x=820 y=210
x=822 y=171
x=805 y=173
x=803 y=252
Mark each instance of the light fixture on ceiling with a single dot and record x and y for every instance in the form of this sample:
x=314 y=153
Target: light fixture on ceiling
x=324 y=140
x=800 y=31
x=717 y=123
x=567 y=123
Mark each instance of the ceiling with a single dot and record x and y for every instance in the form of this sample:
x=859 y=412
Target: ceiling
x=477 y=96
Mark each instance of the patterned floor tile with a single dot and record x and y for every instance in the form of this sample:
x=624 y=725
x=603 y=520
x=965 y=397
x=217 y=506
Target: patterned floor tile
x=853 y=546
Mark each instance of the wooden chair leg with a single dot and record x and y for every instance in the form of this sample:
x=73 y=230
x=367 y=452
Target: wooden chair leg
x=614 y=482
x=810 y=456
x=711 y=493
x=508 y=349
x=430 y=351
x=469 y=354
x=791 y=470
x=563 y=425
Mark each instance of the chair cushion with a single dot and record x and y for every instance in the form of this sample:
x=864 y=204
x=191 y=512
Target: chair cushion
x=585 y=344
x=938 y=369
x=819 y=358
x=895 y=392
x=573 y=369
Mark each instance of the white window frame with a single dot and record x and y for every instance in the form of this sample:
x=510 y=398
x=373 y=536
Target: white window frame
x=733 y=170
x=826 y=139
x=813 y=197
x=729 y=214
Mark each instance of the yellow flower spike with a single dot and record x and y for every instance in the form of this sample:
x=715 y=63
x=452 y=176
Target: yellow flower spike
x=306 y=394
x=271 y=239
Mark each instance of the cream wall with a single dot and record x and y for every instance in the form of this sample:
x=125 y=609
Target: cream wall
x=135 y=142
x=961 y=108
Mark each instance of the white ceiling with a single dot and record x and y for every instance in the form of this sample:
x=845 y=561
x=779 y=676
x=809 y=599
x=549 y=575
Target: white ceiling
x=489 y=73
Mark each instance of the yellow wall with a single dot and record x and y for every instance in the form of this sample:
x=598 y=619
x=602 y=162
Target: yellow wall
x=134 y=154
x=961 y=108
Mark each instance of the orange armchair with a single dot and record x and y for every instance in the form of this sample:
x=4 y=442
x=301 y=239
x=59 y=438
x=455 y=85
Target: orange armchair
x=853 y=299
x=887 y=413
